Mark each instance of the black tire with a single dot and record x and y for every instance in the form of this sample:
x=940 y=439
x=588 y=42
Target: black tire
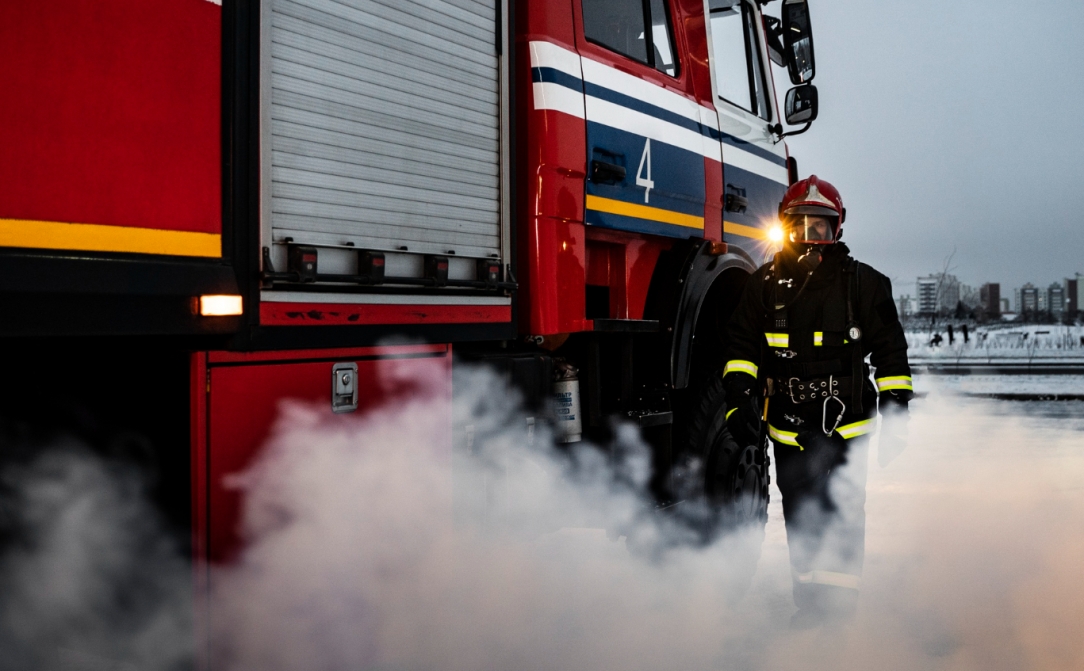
x=733 y=478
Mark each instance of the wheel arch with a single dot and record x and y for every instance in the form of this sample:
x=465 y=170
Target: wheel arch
x=688 y=280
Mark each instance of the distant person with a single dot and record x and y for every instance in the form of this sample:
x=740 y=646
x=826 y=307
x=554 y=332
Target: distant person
x=936 y=340
x=798 y=340
x=963 y=330
x=950 y=335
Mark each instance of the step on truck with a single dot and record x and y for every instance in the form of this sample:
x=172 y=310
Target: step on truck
x=208 y=207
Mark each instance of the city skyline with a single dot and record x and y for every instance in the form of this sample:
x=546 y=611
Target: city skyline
x=941 y=291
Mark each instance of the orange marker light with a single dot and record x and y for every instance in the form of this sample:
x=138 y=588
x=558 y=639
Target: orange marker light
x=220 y=305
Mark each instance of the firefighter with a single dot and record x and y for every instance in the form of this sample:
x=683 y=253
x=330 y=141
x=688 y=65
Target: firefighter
x=797 y=347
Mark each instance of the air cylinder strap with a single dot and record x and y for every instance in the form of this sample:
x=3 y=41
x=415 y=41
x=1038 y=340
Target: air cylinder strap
x=857 y=359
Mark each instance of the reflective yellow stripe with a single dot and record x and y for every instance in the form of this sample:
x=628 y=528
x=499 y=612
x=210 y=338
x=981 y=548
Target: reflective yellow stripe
x=730 y=412
x=745 y=231
x=849 y=431
x=740 y=366
x=107 y=238
x=896 y=382
x=611 y=206
x=778 y=339
x=784 y=437
x=818 y=338
x=831 y=578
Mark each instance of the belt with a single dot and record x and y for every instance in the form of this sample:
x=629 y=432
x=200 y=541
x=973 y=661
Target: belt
x=806 y=391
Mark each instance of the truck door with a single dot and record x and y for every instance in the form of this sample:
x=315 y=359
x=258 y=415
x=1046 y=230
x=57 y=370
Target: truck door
x=754 y=159
x=645 y=142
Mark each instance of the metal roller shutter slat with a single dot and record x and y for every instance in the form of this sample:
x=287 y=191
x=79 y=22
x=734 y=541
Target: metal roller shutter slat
x=392 y=65
x=406 y=177
x=345 y=104
x=396 y=28
x=303 y=174
x=363 y=38
x=389 y=142
x=324 y=70
x=479 y=185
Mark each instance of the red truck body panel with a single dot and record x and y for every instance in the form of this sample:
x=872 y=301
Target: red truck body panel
x=345 y=314
x=111 y=121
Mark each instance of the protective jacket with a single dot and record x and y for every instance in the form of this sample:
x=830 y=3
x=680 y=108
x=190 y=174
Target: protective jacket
x=802 y=339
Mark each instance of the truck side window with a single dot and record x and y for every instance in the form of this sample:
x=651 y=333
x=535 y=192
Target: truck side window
x=660 y=37
x=621 y=25
x=736 y=56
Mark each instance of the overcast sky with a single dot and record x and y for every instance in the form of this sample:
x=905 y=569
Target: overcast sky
x=952 y=125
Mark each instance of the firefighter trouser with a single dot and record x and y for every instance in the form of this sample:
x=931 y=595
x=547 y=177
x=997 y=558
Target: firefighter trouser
x=823 y=483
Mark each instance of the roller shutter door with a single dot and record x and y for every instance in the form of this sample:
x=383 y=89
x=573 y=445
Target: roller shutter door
x=385 y=125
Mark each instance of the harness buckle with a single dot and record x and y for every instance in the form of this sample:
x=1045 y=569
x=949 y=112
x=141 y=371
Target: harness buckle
x=790 y=388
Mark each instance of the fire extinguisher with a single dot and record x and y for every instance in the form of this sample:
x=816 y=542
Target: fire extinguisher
x=566 y=402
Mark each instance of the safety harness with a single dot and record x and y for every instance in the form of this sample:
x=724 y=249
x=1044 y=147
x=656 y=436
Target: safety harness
x=823 y=381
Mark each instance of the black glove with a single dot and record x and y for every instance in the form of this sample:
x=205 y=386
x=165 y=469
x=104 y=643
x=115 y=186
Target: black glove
x=894 y=418
x=743 y=409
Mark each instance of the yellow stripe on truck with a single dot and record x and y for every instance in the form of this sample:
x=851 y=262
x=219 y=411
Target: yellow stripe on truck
x=104 y=238
x=611 y=206
x=745 y=231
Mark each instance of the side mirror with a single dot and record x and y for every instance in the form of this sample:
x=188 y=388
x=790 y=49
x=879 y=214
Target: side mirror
x=798 y=41
x=801 y=104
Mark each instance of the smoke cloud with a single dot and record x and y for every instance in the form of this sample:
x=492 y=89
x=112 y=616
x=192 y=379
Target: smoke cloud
x=382 y=542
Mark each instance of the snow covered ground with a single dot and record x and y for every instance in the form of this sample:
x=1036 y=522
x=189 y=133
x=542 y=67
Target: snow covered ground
x=1052 y=348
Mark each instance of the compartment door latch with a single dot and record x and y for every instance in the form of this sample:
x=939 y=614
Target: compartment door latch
x=344 y=387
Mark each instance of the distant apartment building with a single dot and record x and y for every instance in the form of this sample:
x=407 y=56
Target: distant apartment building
x=1055 y=299
x=1072 y=293
x=1027 y=299
x=970 y=296
x=1005 y=307
x=937 y=293
x=990 y=298
x=926 y=288
x=906 y=306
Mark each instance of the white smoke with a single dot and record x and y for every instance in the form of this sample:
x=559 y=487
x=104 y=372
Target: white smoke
x=88 y=580
x=380 y=541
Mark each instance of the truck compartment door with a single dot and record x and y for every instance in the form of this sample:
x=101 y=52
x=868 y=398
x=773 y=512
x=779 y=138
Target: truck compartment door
x=382 y=130
x=243 y=401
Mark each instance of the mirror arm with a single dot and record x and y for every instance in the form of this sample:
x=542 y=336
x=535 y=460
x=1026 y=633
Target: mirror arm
x=797 y=132
x=780 y=135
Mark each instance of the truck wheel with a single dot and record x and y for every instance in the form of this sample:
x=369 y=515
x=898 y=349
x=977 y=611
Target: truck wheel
x=734 y=477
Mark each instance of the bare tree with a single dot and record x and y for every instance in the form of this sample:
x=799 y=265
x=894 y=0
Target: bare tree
x=945 y=268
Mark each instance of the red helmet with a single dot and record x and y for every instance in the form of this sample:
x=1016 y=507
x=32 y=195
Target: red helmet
x=805 y=208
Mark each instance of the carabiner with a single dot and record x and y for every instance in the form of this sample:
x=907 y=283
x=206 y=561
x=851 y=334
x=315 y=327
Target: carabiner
x=824 y=415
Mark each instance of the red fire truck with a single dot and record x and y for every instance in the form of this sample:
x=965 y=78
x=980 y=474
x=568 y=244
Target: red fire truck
x=209 y=206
